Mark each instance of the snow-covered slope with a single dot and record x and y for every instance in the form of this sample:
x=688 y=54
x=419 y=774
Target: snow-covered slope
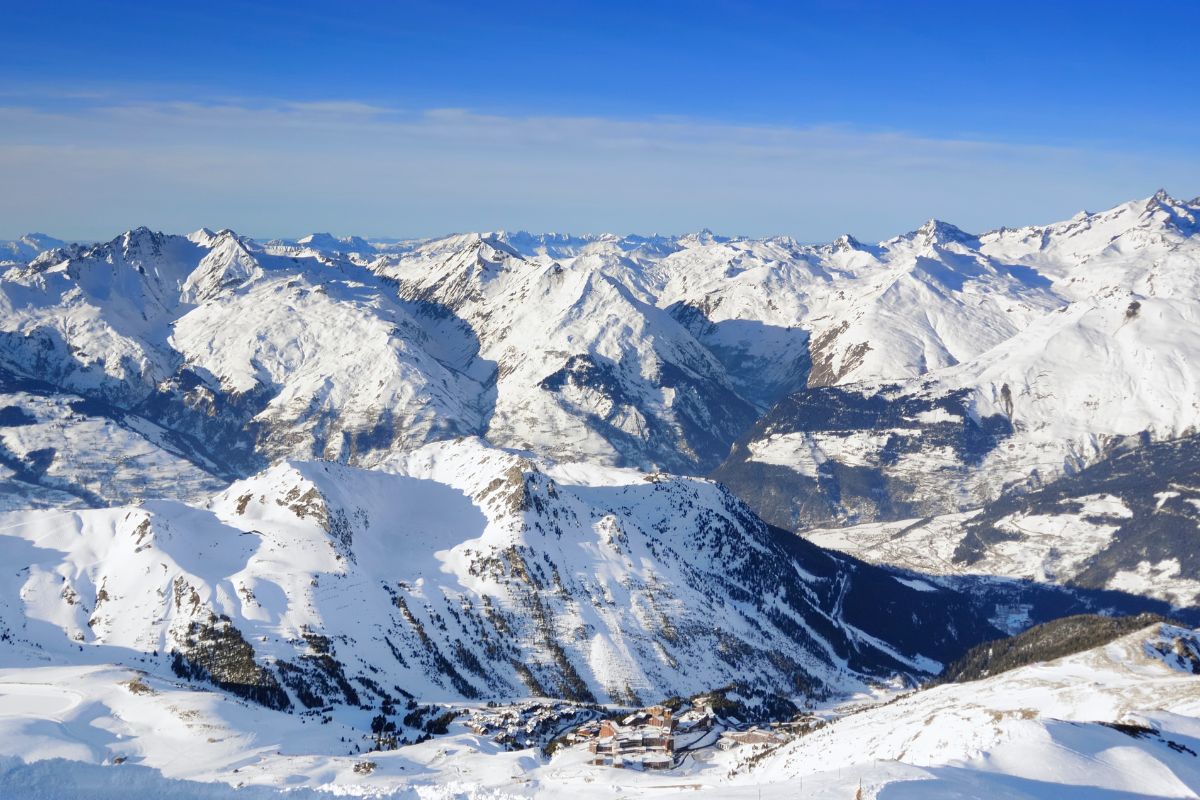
x=471 y=573
x=1117 y=721
x=1128 y=523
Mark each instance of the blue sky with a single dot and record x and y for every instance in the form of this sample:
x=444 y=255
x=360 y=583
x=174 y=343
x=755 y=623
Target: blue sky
x=398 y=119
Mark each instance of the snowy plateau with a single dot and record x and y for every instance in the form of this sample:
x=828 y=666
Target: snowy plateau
x=340 y=517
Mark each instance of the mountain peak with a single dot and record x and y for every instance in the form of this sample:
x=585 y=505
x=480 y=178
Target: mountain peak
x=327 y=241
x=935 y=231
x=499 y=244
x=702 y=237
x=1161 y=200
x=135 y=239
x=939 y=231
x=202 y=236
x=846 y=242
x=29 y=246
x=34 y=236
x=1164 y=209
x=320 y=239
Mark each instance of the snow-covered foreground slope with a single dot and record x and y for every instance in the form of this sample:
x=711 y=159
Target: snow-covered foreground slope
x=1119 y=721
x=279 y=619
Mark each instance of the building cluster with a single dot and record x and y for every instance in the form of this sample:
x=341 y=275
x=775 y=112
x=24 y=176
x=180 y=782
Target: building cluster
x=755 y=735
x=775 y=734
x=643 y=740
x=653 y=738
x=523 y=725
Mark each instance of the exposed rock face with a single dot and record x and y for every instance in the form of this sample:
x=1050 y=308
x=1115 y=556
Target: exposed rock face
x=214 y=650
x=829 y=366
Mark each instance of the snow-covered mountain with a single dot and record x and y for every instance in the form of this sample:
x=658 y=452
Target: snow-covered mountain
x=254 y=355
x=1116 y=358
x=467 y=573
x=925 y=375
x=645 y=351
x=642 y=351
x=582 y=362
x=24 y=248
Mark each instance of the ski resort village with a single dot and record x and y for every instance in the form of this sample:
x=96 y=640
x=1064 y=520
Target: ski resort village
x=654 y=738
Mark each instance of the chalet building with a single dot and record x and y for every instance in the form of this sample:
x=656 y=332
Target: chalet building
x=752 y=736
x=642 y=740
x=700 y=717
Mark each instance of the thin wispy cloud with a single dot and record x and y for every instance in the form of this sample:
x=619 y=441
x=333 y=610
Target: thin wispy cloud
x=283 y=167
